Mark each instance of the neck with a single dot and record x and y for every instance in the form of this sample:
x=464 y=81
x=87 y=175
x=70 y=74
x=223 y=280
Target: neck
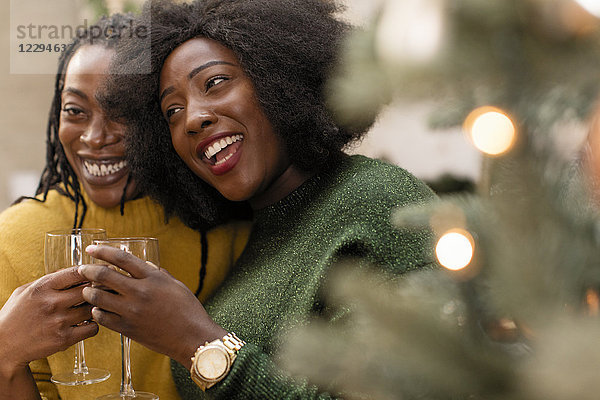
x=285 y=184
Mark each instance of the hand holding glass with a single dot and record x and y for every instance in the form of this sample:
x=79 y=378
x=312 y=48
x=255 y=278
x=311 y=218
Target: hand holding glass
x=145 y=249
x=63 y=249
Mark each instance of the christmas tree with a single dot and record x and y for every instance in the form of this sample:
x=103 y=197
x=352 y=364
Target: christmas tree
x=512 y=311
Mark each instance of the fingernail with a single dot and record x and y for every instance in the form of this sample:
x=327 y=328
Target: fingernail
x=81 y=269
x=91 y=248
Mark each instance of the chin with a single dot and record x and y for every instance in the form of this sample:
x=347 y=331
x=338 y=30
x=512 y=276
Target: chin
x=235 y=195
x=109 y=196
x=104 y=203
x=105 y=199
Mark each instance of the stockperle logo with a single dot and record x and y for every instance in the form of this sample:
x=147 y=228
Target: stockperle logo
x=40 y=30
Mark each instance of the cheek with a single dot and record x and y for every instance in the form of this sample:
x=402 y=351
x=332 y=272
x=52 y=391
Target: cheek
x=181 y=145
x=275 y=147
x=69 y=137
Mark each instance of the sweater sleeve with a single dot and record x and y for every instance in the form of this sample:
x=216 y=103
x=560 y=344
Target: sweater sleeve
x=42 y=373
x=9 y=280
x=253 y=377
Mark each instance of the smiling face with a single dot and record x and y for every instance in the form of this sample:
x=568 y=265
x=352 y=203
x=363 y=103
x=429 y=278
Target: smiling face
x=218 y=127
x=93 y=144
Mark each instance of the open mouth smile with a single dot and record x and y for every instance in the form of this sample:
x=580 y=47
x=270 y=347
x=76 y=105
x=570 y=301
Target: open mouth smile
x=103 y=168
x=222 y=149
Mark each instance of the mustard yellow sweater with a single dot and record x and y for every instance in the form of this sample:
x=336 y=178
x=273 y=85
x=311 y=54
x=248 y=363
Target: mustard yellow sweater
x=22 y=228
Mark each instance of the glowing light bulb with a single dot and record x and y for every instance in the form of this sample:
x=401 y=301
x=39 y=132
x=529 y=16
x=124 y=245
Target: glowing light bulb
x=454 y=250
x=591 y=6
x=491 y=130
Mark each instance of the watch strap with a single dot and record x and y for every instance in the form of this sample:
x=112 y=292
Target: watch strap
x=231 y=345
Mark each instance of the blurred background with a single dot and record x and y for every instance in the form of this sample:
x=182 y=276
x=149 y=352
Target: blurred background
x=527 y=281
x=401 y=135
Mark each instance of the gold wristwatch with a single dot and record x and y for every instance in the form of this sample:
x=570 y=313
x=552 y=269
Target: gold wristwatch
x=212 y=361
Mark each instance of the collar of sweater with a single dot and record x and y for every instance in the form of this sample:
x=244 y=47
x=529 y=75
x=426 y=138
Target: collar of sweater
x=141 y=216
x=296 y=200
x=306 y=193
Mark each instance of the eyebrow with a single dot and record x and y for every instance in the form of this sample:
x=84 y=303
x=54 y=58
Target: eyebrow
x=193 y=73
x=75 y=91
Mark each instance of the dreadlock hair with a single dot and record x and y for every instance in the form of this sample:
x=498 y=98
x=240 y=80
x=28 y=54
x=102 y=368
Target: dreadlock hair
x=288 y=48
x=58 y=173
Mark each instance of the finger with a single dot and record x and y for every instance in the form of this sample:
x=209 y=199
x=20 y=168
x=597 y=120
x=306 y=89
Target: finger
x=63 y=279
x=84 y=331
x=105 y=276
x=108 y=319
x=78 y=315
x=126 y=261
x=150 y=263
x=68 y=297
x=103 y=299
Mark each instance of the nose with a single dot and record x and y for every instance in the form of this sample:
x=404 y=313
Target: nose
x=197 y=120
x=102 y=132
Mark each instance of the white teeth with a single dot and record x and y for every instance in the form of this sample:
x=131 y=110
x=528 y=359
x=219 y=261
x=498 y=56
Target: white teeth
x=227 y=157
x=220 y=145
x=103 y=169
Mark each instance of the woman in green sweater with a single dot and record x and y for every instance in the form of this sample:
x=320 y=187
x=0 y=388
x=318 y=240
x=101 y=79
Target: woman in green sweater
x=86 y=183
x=237 y=113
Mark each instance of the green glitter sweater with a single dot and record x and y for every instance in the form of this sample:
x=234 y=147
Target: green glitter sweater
x=342 y=211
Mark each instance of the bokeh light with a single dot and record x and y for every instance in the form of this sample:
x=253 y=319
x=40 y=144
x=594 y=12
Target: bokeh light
x=592 y=300
x=454 y=250
x=410 y=31
x=591 y=6
x=491 y=130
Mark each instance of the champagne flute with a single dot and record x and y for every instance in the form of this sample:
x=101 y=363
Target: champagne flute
x=62 y=249
x=146 y=249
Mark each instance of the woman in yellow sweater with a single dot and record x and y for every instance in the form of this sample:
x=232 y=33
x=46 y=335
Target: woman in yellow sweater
x=86 y=184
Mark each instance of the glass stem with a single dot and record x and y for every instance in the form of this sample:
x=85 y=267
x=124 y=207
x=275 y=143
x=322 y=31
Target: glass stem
x=80 y=367
x=76 y=249
x=126 y=386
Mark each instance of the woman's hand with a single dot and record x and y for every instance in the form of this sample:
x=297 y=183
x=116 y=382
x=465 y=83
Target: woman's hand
x=42 y=318
x=150 y=307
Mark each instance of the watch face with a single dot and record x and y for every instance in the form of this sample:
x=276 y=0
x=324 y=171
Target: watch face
x=212 y=363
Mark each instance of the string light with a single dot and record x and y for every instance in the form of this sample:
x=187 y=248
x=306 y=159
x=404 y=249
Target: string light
x=491 y=130
x=454 y=249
